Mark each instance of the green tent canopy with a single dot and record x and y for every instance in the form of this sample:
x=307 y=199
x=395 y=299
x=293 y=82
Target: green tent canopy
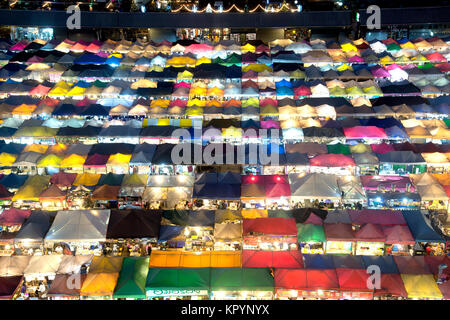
x=241 y=279
x=178 y=279
x=132 y=277
x=447 y=122
x=338 y=148
x=310 y=233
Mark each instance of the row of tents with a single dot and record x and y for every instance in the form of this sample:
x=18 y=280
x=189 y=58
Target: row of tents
x=305 y=225
x=335 y=277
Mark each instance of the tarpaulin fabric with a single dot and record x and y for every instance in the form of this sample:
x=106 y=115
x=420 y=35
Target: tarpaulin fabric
x=241 y=279
x=178 y=279
x=178 y=259
x=9 y=286
x=132 y=278
x=99 y=284
x=353 y=280
x=131 y=224
x=272 y=259
x=269 y=226
x=104 y=264
x=60 y=286
x=339 y=232
x=421 y=286
x=318 y=261
x=306 y=279
x=419 y=228
x=310 y=233
x=412 y=264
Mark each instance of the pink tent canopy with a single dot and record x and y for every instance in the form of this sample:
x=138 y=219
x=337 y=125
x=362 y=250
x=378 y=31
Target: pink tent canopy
x=270 y=124
x=85 y=102
x=379 y=72
x=94 y=46
x=19 y=46
x=381 y=217
x=277 y=190
x=370 y=232
x=360 y=132
x=391 y=284
x=178 y=103
x=182 y=84
x=302 y=91
x=382 y=148
x=332 y=160
x=39 y=90
x=11 y=217
x=398 y=235
x=355 y=58
x=433 y=263
x=267 y=101
x=198 y=48
x=389 y=183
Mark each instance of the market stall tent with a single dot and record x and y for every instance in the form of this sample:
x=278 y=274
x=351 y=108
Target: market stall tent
x=99 y=284
x=421 y=286
x=60 y=286
x=241 y=279
x=79 y=225
x=314 y=186
x=194 y=279
x=181 y=259
x=132 y=278
x=46 y=265
x=306 y=279
x=13 y=265
x=104 y=264
x=272 y=259
x=9 y=286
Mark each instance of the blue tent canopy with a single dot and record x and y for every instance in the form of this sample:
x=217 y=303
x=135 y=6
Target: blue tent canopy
x=89 y=58
x=169 y=232
x=318 y=261
x=420 y=229
x=386 y=263
x=13 y=181
x=348 y=262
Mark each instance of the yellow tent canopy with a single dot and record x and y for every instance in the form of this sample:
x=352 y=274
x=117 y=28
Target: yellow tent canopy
x=50 y=160
x=99 y=284
x=138 y=180
x=73 y=160
x=204 y=259
x=254 y=213
x=87 y=179
x=421 y=286
x=118 y=159
x=7 y=159
x=24 y=109
x=32 y=188
x=104 y=264
x=39 y=148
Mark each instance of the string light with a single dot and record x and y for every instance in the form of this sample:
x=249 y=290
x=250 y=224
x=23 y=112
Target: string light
x=235 y=7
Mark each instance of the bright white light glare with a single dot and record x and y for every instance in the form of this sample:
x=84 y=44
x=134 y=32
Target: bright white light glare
x=143 y=9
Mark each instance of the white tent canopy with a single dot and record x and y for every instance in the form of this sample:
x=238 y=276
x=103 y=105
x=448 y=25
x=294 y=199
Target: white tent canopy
x=352 y=188
x=72 y=264
x=432 y=192
x=13 y=266
x=314 y=186
x=79 y=225
x=46 y=265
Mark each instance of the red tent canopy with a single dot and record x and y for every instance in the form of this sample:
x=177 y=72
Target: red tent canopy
x=8 y=286
x=445 y=289
x=275 y=226
x=360 y=132
x=11 y=217
x=398 y=235
x=4 y=193
x=391 y=284
x=381 y=217
x=63 y=179
x=338 y=232
x=272 y=259
x=353 y=280
x=370 y=232
x=332 y=160
x=412 y=265
x=433 y=263
x=447 y=190
x=304 y=279
x=96 y=160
